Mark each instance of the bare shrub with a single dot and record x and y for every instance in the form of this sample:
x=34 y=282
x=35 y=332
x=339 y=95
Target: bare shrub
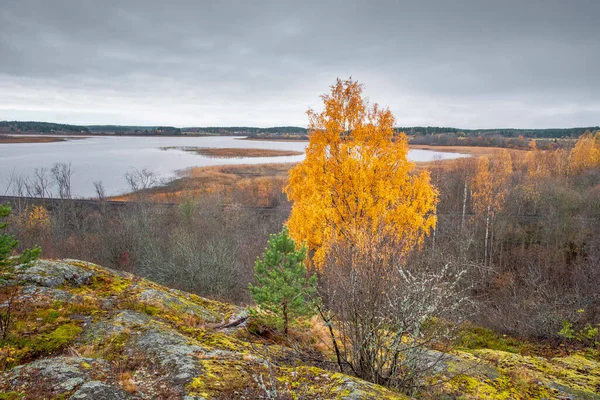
x=61 y=175
x=6 y=314
x=386 y=316
x=141 y=179
x=100 y=191
x=39 y=184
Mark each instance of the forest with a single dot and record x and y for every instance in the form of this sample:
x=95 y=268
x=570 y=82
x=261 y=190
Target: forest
x=39 y=127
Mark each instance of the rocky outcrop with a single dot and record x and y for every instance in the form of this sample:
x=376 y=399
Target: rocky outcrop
x=80 y=331
x=87 y=332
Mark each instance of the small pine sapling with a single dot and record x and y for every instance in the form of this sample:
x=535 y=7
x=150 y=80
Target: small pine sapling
x=284 y=291
x=8 y=243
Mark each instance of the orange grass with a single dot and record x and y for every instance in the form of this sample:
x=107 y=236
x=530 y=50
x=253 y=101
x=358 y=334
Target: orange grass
x=30 y=139
x=258 y=179
x=255 y=180
x=226 y=152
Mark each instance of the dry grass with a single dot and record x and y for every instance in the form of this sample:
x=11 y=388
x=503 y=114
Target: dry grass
x=235 y=152
x=127 y=382
x=30 y=139
x=473 y=151
x=261 y=179
x=274 y=139
x=256 y=180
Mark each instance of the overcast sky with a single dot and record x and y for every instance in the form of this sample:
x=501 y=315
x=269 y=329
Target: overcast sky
x=470 y=64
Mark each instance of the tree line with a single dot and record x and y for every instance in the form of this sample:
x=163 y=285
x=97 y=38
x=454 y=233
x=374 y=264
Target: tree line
x=554 y=133
x=445 y=132
x=41 y=127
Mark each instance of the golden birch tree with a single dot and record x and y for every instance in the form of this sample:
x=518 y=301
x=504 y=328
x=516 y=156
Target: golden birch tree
x=490 y=188
x=356 y=177
x=586 y=153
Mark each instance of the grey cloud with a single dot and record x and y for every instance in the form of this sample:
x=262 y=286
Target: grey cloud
x=463 y=63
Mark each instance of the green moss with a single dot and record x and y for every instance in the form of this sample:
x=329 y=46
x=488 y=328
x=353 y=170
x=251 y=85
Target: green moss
x=533 y=377
x=50 y=316
x=224 y=378
x=150 y=310
x=63 y=396
x=217 y=340
x=109 y=285
x=57 y=339
x=473 y=337
x=113 y=349
x=11 y=395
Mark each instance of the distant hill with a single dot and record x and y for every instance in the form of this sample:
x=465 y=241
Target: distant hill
x=277 y=131
x=506 y=132
x=39 y=127
x=245 y=130
x=135 y=130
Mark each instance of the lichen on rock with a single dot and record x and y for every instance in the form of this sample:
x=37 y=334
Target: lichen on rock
x=82 y=331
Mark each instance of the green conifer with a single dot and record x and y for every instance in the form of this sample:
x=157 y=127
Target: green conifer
x=8 y=243
x=283 y=289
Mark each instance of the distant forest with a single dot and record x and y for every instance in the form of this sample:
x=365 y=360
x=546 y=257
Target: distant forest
x=39 y=127
x=48 y=127
x=236 y=130
x=554 y=133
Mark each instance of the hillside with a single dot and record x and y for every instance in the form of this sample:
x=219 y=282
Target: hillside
x=81 y=331
x=40 y=127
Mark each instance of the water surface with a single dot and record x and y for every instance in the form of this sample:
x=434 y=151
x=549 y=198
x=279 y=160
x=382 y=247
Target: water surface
x=107 y=159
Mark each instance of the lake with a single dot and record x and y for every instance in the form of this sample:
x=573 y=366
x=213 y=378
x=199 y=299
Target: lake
x=107 y=159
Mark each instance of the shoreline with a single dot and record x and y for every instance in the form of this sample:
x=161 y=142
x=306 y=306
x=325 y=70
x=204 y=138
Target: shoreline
x=233 y=152
x=20 y=139
x=272 y=140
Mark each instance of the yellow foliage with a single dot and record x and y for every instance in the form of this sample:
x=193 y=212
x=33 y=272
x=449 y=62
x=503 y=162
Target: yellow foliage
x=586 y=153
x=490 y=183
x=544 y=163
x=356 y=176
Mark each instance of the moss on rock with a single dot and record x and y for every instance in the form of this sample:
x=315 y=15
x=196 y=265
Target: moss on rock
x=80 y=329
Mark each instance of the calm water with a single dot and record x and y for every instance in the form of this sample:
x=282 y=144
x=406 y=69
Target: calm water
x=107 y=159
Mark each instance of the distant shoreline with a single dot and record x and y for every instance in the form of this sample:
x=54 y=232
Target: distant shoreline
x=271 y=139
x=228 y=152
x=10 y=139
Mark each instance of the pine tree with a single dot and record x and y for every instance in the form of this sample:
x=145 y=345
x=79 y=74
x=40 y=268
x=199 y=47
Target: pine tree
x=283 y=289
x=8 y=243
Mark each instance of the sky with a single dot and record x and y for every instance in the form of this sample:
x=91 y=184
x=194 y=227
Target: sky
x=467 y=64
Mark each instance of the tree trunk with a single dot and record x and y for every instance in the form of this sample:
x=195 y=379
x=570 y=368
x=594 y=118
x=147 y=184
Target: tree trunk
x=464 y=208
x=487 y=230
x=285 y=319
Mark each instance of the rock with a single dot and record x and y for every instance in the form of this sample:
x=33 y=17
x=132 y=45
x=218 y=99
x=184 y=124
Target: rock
x=164 y=343
x=160 y=342
x=177 y=303
x=106 y=329
x=52 y=274
x=174 y=353
x=55 y=375
x=95 y=390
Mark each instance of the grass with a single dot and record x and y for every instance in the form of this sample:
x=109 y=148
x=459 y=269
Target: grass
x=473 y=151
x=227 y=152
x=4 y=139
x=259 y=180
